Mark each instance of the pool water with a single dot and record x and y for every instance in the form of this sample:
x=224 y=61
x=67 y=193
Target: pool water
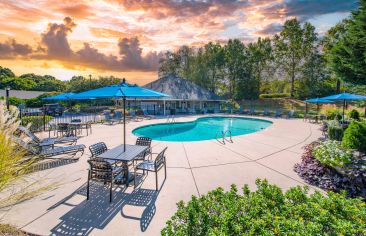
x=205 y=128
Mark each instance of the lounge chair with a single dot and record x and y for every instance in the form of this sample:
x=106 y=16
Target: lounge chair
x=143 y=141
x=144 y=115
x=278 y=114
x=102 y=171
x=266 y=112
x=45 y=152
x=48 y=141
x=108 y=118
x=290 y=114
x=252 y=112
x=153 y=166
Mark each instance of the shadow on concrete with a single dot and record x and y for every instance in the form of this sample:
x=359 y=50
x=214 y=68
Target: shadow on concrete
x=97 y=212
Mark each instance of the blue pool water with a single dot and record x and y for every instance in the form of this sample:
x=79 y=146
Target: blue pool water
x=204 y=128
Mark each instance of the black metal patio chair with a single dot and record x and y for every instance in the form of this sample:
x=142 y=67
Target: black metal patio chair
x=102 y=171
x=143 y=141
x=153 y=166
x=98 y=149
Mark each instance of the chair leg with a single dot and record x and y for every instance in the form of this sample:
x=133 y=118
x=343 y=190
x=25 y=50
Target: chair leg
x=110 y=191
x=134 y=179
x=156 y=180
x=87 y=189
x=165 y=170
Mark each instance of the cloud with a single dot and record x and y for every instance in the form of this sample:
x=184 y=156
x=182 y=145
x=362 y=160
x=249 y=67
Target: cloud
x=11 y=49
x=54 y=45
x=305 y=10
x=270 y=29
x=55 y=39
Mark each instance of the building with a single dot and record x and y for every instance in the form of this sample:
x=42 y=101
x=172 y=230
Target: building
x=21 y=93
x=185 y=97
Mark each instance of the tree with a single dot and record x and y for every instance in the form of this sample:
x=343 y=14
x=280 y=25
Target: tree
x=17 y=83
x=6 y=73
x=345 y=47
x=234 y=58
x=292 y=46
x=214 y=58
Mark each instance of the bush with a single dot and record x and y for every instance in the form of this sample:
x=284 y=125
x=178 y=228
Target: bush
x=354 y=114
x=335 y=131
x=331 y=153
x=355 y=137
x=268 y=211
x=353 y=181
x=333 y=113
x=37 y=122
x=274 y=95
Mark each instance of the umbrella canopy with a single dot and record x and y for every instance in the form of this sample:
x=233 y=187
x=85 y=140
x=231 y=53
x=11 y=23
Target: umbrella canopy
x=60 y=97
x=318 y=100
x=122 y=90
x=345 y=97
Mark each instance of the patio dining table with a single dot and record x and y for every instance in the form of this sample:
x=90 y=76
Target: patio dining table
x=117 y=154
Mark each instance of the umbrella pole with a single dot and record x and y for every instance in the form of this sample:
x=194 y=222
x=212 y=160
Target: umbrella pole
x=306 y=110
x=124 y=124
x=344 y=104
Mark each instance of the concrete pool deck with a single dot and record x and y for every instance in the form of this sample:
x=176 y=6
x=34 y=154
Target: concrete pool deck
x=193 y=168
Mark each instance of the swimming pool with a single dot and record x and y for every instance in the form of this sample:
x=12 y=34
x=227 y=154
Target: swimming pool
x=205 y=128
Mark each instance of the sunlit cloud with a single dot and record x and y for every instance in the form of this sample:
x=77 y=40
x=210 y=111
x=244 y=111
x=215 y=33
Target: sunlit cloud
x=124 y=37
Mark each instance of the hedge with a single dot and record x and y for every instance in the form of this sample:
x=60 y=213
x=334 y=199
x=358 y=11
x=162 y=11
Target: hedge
x=274 y=95
x=268 y=211
x=37 y=122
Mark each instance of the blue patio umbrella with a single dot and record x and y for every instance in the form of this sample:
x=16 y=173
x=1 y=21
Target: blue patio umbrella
x=60 y=97
x=120 y=91
x=317 y=101
x=345 y=97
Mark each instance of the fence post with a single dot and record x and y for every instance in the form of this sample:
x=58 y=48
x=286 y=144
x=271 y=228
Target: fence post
x=44 y=118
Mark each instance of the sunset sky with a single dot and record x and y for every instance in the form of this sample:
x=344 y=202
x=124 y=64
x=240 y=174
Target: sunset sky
x=126 y=37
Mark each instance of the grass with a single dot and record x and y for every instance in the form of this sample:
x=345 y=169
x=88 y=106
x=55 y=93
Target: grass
x=7 y=230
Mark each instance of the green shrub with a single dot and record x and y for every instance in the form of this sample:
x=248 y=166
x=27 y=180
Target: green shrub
x=268 y=211
x=274 y=95
x=335 y=131
x=332 y=154
x=354 y=114
x=37 y=122
x=355 y=137
x=333 y=113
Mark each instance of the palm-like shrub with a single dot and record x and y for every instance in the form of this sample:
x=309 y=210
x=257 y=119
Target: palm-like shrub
x=268 y=211
x=12 y=163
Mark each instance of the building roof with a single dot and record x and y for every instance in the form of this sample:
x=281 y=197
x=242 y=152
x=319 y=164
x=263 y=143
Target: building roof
x=23 y=94
x=182 y=89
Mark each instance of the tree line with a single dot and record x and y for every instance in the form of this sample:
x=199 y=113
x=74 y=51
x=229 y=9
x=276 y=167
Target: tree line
x=49 y=83
x=295 y=61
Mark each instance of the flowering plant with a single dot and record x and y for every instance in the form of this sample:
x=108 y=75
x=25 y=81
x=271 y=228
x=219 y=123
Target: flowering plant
x=332 y=154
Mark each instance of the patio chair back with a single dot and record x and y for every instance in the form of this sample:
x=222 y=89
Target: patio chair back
x=143 y=141
x=160 y=159
x=30 y=148
x=76 y=120
x=29 y=134
x=97 y=149
x=100 y=170
x=107 y=115
x=62 y=127
x=118 y=115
